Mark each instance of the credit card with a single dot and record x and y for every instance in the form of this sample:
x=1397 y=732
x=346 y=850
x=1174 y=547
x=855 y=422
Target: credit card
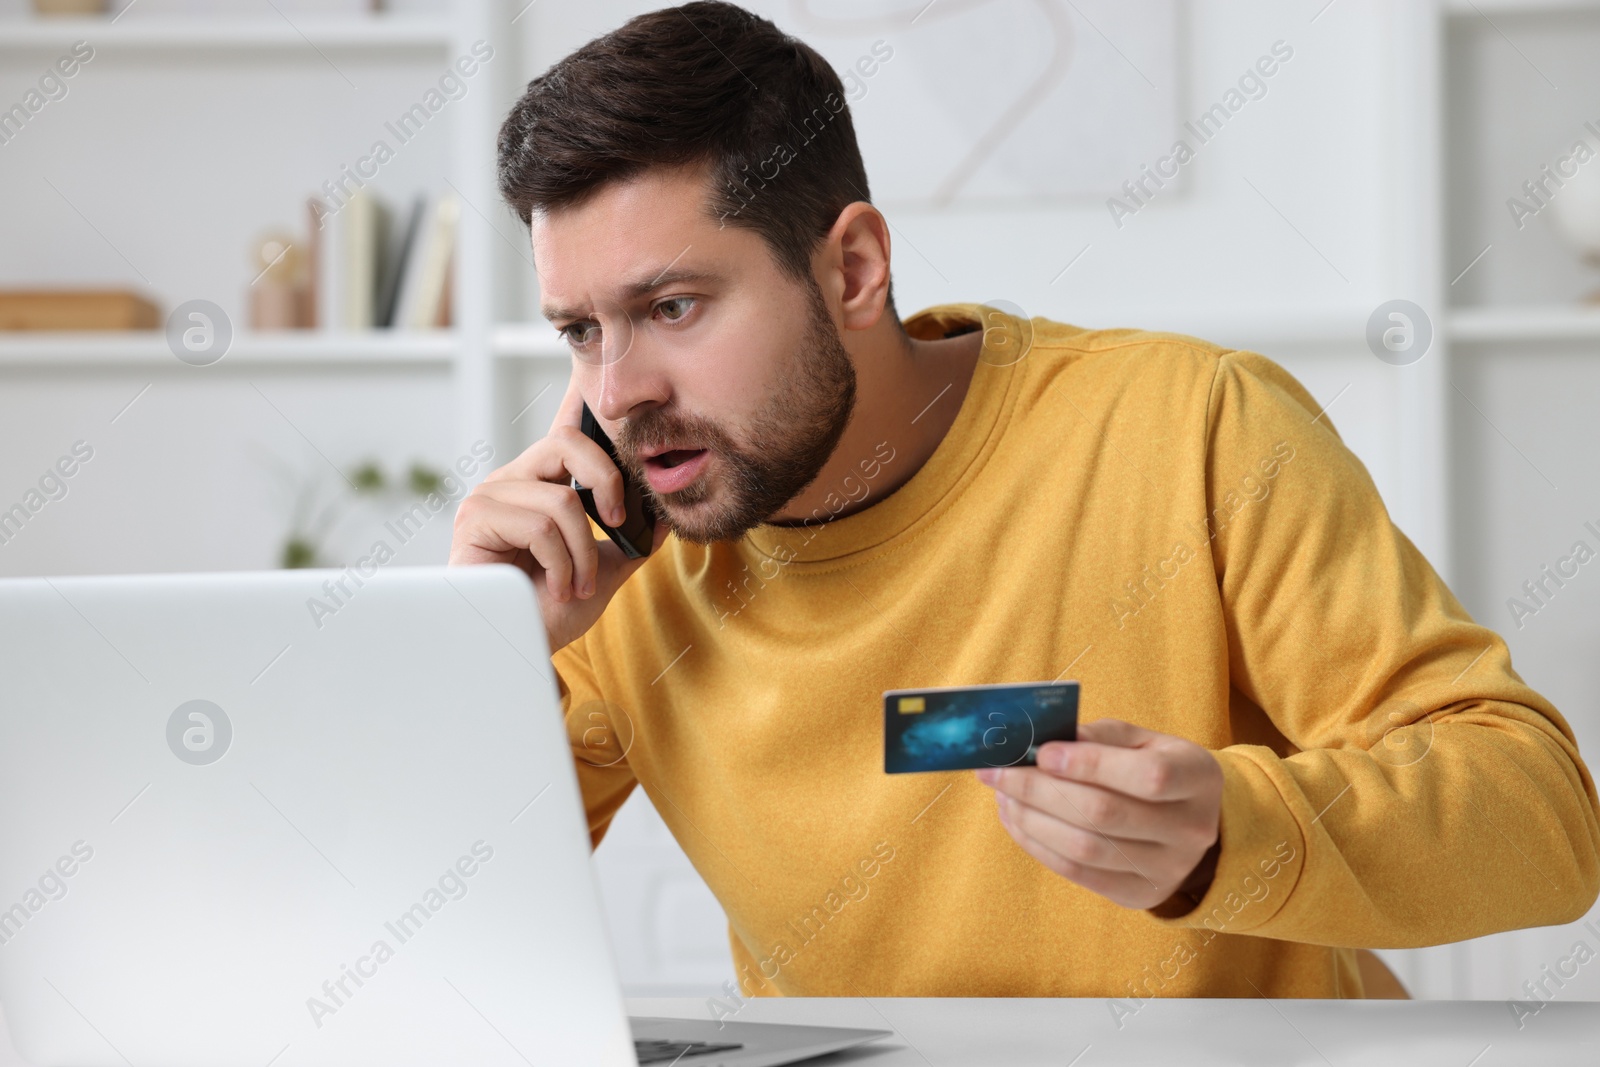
x=968 y=727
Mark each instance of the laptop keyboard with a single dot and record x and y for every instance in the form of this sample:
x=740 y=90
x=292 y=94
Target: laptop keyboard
x=659 y=1050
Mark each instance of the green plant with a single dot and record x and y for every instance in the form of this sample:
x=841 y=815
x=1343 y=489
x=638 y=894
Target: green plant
x=311 y=520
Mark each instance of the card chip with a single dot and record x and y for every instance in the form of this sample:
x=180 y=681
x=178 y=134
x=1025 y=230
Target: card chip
x=910 y=705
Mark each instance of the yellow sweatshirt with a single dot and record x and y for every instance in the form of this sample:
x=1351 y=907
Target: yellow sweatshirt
x=1177 y=527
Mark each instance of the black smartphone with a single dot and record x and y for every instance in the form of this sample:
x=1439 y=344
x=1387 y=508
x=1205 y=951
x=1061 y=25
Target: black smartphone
x=639 y=523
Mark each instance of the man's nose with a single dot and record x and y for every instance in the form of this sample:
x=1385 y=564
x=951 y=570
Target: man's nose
x=627 y=376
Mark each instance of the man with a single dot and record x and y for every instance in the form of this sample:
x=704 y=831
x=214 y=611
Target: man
x=1295 y=742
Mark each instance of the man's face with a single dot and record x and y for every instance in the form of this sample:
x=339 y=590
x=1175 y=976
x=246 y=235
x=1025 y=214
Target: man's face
x=687 y=338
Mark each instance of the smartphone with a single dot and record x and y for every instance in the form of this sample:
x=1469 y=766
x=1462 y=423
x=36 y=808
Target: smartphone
x=639 y=523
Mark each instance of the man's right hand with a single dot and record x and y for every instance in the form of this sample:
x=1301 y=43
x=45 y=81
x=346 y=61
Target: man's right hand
x=527 y=513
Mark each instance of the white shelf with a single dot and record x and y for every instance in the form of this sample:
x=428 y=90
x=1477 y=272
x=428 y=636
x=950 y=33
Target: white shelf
x=291 y=348
x=1496 y=325
x=383 y=32
x=521 y=340
x=1492 y=8
x=309 y=348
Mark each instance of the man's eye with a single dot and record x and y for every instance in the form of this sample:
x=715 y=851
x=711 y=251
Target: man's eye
x=682 y=303
x=580 y=334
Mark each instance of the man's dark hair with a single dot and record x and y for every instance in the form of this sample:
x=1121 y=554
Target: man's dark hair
x=703 y=83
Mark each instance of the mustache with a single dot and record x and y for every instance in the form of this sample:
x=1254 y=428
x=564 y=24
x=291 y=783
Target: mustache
x=653 y=430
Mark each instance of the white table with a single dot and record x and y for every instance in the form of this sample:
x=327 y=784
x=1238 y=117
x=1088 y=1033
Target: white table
x=1186 y=1033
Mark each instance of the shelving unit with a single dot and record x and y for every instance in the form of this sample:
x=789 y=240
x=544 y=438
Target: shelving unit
x=1517 y=77
x=1512 y=82
x=464 y=351
x=1477 y=8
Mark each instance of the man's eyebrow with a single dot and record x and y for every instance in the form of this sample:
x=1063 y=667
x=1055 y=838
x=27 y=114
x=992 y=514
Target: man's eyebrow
x=643 y=287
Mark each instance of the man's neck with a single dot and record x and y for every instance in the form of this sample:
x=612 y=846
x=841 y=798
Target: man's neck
x=908 y=392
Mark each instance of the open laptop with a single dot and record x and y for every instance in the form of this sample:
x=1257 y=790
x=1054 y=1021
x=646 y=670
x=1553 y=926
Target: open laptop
x=307 y=818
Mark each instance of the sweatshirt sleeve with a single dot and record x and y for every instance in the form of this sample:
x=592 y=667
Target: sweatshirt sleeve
x=1427 y=794
x=600 y=734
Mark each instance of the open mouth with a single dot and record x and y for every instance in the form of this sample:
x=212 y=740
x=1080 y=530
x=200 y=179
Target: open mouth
x=668 y=460
x=676 y=469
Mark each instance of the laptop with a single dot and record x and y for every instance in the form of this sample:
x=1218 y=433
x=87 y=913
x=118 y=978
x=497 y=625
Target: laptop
x=304 y=818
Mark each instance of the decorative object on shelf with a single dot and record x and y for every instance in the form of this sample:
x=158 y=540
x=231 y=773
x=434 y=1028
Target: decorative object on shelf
x=280 y=295
x=69 y=7
x=76 y=309
x=1576 y=213
x=311 y=521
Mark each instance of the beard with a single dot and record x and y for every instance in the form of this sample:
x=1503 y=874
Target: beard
x=791 y=439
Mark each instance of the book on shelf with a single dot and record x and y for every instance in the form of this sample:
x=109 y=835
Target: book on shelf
x=393 y=266
x=422 y=303
x=366 y=228
x=376 y=269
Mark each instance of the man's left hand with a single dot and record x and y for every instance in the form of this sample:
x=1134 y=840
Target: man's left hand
x=1123 y=811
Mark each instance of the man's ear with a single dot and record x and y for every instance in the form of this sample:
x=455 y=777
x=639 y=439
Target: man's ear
x=853 y=265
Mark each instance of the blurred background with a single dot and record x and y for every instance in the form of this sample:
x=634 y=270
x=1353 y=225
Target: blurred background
x=258 y=294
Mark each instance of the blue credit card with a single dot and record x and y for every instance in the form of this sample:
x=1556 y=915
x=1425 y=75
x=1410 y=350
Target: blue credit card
x=968 y=727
